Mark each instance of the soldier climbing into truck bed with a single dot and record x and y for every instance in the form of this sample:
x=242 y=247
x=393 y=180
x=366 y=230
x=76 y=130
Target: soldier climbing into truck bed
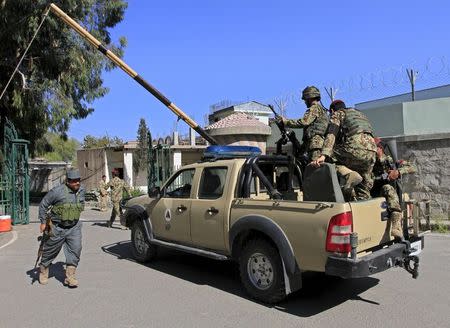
x=349 y=142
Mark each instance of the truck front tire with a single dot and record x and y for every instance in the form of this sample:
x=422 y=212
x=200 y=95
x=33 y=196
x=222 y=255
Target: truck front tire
x=142 y=250
x=261 y=271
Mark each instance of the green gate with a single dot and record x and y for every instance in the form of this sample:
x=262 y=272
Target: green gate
x=15 y=179
x=159 y=164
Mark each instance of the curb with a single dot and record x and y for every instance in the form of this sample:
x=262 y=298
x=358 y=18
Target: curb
x=7 y=237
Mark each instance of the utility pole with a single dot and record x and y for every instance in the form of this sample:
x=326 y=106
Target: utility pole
x=412 y=79
x=331 y=92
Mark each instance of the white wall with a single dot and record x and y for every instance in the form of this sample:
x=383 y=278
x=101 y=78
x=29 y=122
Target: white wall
x=128 y=167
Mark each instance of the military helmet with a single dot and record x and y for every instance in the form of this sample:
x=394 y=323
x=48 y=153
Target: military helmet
x=310 y=92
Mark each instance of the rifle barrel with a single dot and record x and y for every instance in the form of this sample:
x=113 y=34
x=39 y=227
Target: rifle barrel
x=127 y=69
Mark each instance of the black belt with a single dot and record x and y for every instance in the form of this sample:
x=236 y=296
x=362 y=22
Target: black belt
x=66 y=226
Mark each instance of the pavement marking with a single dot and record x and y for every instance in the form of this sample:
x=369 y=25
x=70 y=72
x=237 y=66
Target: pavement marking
x=13 y=239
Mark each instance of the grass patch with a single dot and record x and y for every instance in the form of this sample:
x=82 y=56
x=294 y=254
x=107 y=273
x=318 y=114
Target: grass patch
x=439 y=225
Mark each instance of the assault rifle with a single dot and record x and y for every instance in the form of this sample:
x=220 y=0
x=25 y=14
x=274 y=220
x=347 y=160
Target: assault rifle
x=391 y=147
x=289 y=135
x=43 y=238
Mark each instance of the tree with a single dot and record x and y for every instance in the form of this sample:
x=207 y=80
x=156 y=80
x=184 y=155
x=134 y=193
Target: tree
x=91 y=142
x=281 y=103
x=140 y=155
x=61 y=74
x=58 y=149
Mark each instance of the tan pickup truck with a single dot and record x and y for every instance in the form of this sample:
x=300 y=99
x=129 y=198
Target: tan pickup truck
x=273 y=219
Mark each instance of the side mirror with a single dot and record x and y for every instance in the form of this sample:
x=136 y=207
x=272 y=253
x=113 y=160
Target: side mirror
x=154 y=192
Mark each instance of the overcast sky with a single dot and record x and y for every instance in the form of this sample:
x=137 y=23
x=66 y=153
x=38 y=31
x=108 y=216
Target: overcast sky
x=200 y=52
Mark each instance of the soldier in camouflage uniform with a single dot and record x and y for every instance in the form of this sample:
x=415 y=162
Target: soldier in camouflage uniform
x=63 y=204
x=386 y=171
x=117 y=186
x=103 y=190
x=314 y=122
x=349 y=142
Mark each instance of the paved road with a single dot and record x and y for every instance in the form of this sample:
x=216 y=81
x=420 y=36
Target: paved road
x=181 y=290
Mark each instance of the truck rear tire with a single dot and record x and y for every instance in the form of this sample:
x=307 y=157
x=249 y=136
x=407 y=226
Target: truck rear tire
x=142 y=250
x=261 y=271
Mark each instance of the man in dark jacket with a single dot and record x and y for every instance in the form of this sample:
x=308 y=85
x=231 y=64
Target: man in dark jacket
x=63 y=204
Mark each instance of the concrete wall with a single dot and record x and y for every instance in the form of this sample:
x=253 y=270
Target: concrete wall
x=411 y=118
x=422 y=131
x=427 y=116
x=432 y=94
x=91 y=163
x=128 y=167
x=45 y=176
x=387 y=120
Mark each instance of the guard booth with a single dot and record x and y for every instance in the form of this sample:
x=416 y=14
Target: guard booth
x=14 y=175
x=160 y=166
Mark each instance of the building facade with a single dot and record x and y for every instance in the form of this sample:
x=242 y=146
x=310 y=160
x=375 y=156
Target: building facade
x=421 y=130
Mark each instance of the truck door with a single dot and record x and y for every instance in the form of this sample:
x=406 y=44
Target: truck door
x=209 y=210
x=170 y=216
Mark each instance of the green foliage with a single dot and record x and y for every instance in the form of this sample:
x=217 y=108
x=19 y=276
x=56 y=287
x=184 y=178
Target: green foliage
x=135 y=191
x=57 y=148
x=61 y=74
x=140 y=154
x=439 y=225
x=91 y=142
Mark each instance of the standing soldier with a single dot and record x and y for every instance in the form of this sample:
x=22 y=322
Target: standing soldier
x=117 y=186
x=103 y=189
x=314 y=122
x=386 y=172
x=349 y=142
x=64 y=204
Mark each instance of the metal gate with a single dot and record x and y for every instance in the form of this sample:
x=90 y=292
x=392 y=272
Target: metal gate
x=159 y=164
x=15 y=179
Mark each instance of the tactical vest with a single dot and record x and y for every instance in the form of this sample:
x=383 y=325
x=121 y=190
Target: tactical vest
x=319 y=126
x=355 y=122
x=68 y=213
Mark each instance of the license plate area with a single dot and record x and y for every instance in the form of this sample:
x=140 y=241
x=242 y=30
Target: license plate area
x=416 y=247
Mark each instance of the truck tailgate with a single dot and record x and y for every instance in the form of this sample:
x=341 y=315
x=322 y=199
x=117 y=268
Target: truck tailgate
x=370 y=221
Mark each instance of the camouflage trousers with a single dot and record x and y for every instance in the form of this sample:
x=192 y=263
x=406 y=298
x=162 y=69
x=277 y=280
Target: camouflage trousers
x=348 y=179
x=314 y=153
x=102 y=202
x=392 y=200
x=116 y=211
x=361 y=162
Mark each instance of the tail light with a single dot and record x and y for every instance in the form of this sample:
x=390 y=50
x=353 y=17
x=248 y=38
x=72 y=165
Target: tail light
x=338 y=235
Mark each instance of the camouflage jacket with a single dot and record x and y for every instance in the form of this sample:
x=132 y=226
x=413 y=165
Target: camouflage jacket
x=103 y=187
x=117 y=186
x=385 y=163
x=354 y=144
x=311 y=115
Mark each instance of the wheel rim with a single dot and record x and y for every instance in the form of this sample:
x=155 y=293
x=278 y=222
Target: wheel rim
x=139 y=241
x=260 y=271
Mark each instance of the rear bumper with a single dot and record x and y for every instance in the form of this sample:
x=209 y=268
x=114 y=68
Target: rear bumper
x=375 y=262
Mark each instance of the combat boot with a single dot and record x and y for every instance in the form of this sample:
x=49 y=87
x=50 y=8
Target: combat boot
x=70 y=280
x=43 y=275
x=396 y=225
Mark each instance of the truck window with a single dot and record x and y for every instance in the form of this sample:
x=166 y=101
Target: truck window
x=181 y=185
x=212 y=182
